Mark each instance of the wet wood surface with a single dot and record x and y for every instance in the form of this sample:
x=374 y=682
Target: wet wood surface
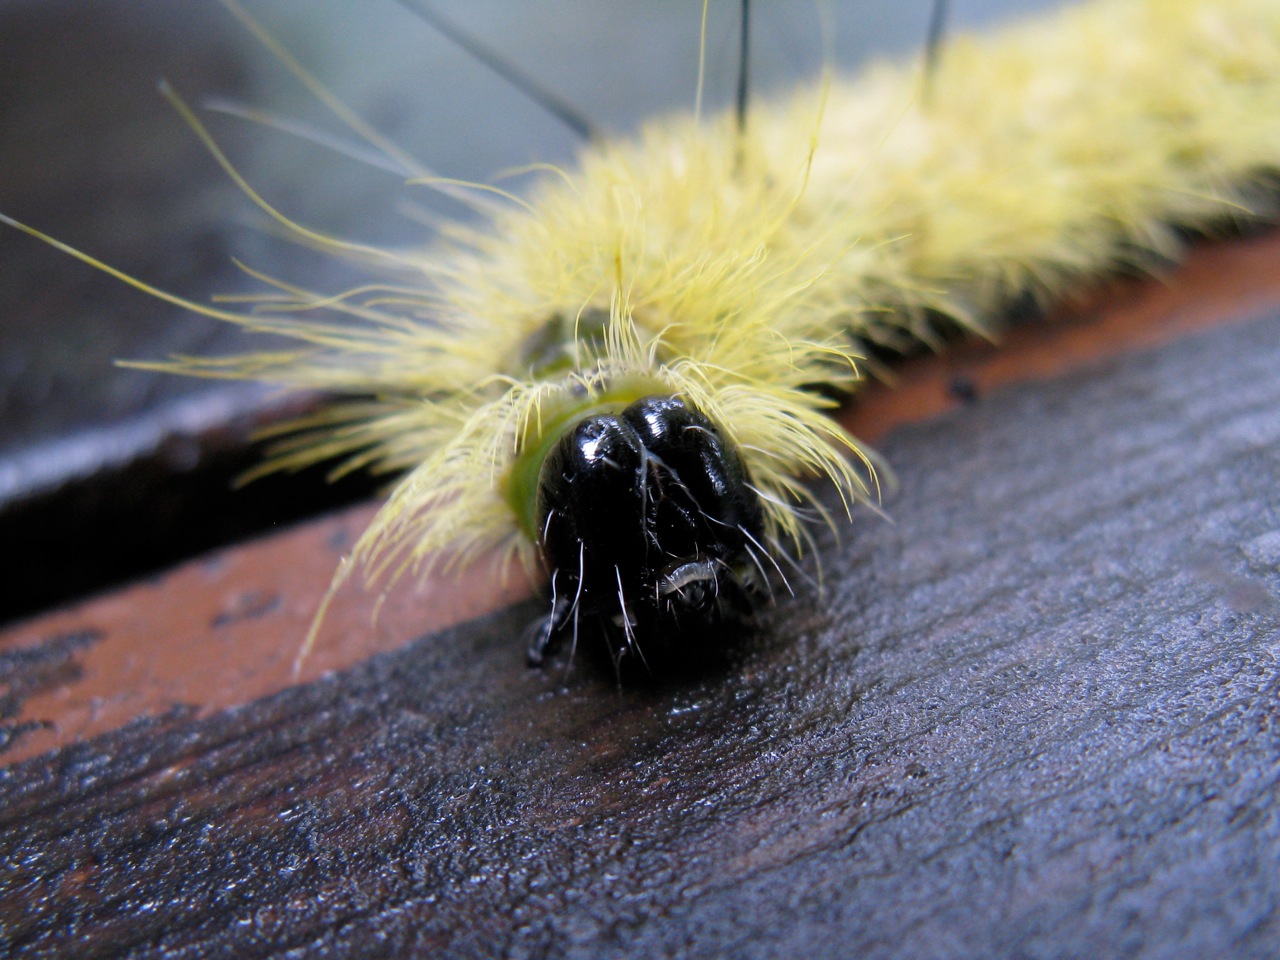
x=1034 y=713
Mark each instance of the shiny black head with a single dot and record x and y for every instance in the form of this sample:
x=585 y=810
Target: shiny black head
x=648 y=523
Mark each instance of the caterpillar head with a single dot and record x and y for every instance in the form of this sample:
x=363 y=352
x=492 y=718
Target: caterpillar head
x=648 y=523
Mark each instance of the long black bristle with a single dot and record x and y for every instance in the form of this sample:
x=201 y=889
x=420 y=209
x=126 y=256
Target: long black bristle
x=744 y=57
x=555 y=105
x=933 y=44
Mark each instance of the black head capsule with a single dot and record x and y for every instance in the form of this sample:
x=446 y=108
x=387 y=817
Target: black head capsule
x=647 y=522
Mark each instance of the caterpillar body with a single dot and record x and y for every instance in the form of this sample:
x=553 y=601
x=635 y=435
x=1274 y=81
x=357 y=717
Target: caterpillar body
x=624 y=374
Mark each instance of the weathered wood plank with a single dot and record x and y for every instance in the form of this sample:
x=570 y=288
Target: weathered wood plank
x=222 y=630
x=1036 y=715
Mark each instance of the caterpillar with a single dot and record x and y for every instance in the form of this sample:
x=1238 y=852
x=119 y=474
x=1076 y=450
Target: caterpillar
x=623 y=373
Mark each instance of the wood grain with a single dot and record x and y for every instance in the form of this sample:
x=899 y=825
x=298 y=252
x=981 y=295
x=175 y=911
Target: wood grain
x=1034 y=715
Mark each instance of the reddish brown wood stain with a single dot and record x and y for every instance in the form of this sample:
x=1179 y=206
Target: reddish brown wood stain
x=223 y=630
x=1218 y=283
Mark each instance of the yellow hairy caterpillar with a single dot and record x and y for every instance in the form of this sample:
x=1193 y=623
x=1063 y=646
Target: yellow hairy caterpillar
x=624 y=373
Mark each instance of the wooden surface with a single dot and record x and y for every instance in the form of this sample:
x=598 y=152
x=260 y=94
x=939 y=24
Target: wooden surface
x=253 y=605
x=1036 y=714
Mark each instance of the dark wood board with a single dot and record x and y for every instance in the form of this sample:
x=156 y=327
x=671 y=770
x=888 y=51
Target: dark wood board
x=1035 y=715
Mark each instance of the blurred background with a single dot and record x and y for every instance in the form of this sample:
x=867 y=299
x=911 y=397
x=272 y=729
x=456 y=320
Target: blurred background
x=108 y=474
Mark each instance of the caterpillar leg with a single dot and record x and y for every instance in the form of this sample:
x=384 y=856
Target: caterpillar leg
x=545 y=633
